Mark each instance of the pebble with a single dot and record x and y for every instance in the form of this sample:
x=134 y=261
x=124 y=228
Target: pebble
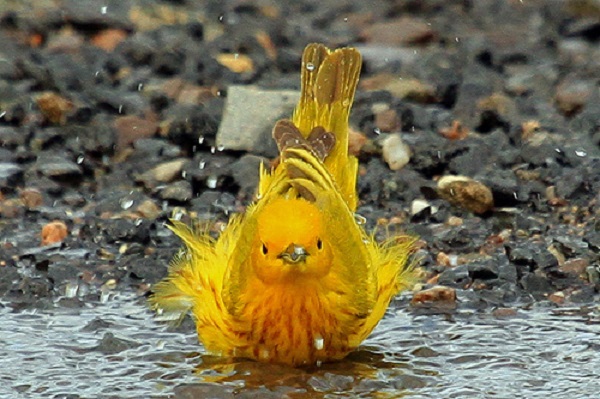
x=396 y=152
x=399 y=32
x=54 y=232
x=180 y=191
x=466 y=193
x=131 y=128
x=10 y=174
x=165 y=172
x=434 y=294
x=58 y=167
x=55 y=107
x=387 y=121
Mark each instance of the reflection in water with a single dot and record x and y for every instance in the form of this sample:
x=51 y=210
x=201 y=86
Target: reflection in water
x=115 y=349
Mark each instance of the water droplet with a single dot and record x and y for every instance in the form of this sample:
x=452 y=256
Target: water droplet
x=221 y=18
x=212 y=149
x=319 y=342
x=80 y=159
x=211 y=182
x=202 y=164
x=360 y=220
x=165 y=205
x=183 y=174
x=138 y=222
x=103 y=9
x=220 y=147
x=121 y=108
x=377 y=131
x=310 y=66
x=346 y=19
x=2 y=114
x=558 y=150
x=319 y=363
x=140 y=86
x=126 y=203
x=200 y=139
x=581 y=153
x=456 y=39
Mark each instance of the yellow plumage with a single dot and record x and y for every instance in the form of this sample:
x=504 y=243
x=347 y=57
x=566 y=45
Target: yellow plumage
x=295 y=279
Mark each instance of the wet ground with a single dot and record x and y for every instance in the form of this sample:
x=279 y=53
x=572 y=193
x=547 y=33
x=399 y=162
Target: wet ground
x=477 y=127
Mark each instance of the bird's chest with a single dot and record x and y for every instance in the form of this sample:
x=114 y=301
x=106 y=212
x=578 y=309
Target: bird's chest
x=295 y=326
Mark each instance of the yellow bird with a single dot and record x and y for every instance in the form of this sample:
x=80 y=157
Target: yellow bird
x=295 y=279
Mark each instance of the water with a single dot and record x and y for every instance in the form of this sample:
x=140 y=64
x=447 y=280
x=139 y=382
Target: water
x=62 y=352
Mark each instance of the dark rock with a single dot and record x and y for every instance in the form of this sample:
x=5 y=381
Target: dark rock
x=11 y=137
x=457 y=276
x=59 y=168
x=539 y=286
x=110 y=345
x=245 y=172
x=11 y=174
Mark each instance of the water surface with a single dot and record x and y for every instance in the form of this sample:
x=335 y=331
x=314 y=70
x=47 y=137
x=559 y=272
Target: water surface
x=115 y=349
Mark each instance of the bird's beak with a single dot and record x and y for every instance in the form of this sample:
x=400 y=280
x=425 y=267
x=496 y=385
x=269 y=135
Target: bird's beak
x=294 y=253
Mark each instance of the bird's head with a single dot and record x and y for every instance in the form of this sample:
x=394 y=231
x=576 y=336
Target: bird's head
x=290 y=241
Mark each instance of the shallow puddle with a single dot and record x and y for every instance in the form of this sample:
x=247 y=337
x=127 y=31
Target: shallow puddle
x=115 y=349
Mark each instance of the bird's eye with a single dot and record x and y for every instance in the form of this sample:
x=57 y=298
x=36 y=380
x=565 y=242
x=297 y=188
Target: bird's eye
x=265 y=250
x=319 y=244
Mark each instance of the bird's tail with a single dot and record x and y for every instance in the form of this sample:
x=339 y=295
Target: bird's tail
x=320 y=120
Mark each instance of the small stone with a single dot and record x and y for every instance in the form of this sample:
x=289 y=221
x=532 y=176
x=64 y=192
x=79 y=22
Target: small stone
x=180 y=191
x=387 y=121
x=166 y=172
x=576 y=267
x=400 y=87
x=10 y=137
x=504 y=312
x=249 y=116
x=572 y=94
x=131 y=128
x=109 y=39
x=54 y=232
x=557 y=297
x=418 y=206
x=399 y=32
x=31 y=198
x=434 y=294
x=238 y=63
x=356 y=141
x=466 y=193
x=455 y=132
x=57 y=167
x=395 y=152
x=148 y=209
x=54 y=107
x=10 y=174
